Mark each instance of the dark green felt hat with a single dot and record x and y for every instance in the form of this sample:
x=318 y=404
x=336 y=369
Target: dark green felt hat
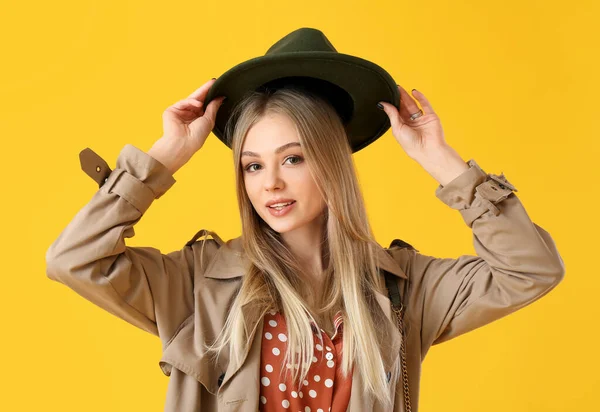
x=306 y=59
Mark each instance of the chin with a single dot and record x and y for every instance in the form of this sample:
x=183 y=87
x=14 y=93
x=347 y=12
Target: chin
x=282 y=227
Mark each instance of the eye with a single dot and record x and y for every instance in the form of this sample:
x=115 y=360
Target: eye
x=247 y=169
x=298 y=159
x=295 y=157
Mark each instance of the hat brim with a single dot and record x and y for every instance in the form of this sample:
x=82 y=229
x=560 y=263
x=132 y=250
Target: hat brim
x=364 y=81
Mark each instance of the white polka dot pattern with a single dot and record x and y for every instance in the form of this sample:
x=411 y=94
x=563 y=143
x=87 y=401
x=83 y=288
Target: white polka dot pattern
x=325 y=387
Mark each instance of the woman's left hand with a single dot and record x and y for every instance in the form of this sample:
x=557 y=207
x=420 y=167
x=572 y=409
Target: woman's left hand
x=417 y=137
x=423 y=138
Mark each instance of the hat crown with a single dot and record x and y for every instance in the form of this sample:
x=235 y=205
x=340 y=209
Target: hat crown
x=305 y=59
x=302 y=40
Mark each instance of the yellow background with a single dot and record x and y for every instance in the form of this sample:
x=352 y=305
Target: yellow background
x=515 y=84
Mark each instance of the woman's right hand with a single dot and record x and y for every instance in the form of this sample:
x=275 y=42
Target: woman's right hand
x=186 y=125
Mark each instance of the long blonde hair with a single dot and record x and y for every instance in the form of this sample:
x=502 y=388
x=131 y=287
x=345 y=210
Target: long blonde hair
x=274 y=279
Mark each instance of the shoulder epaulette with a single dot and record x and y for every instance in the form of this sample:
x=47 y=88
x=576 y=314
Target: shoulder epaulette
x=402 y=244
x=205 y=232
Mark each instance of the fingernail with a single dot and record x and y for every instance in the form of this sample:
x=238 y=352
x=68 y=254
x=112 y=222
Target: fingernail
x=414 y=90
x=214 y=78
x=380 y=106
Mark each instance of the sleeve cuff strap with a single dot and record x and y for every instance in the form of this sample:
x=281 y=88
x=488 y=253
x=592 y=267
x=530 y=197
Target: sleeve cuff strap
x=129 y=188
x=138 y=178
x=459 y=192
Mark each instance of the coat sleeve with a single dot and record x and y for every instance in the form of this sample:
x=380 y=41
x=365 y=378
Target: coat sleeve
x=140 y=285
x=517 y=261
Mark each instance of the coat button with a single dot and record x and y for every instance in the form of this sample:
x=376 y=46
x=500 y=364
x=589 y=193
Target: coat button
x=502 y=181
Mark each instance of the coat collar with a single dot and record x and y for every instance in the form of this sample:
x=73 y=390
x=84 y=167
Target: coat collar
x=230 y=262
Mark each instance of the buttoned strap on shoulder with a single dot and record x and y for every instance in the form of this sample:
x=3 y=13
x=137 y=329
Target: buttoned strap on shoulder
x=95 y=166
x=205 y=232
x=401 y=243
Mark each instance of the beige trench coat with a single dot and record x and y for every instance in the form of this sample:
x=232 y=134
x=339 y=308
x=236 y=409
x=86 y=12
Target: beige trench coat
x=184 y=301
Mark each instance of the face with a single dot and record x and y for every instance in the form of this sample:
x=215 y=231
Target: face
x=274 y=168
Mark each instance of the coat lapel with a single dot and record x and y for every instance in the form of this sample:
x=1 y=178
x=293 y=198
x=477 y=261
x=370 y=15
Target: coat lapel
x=241 y=385
x=230 y=262
x=253 y=323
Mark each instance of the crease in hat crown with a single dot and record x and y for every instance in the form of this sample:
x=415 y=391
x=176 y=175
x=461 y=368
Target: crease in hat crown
x=302 y=40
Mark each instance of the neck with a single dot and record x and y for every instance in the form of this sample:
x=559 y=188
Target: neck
x=305 y=243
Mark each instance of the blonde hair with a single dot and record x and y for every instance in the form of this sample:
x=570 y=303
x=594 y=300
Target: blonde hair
x=274 y=279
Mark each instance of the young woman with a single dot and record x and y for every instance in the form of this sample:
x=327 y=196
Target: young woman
x=294 y=314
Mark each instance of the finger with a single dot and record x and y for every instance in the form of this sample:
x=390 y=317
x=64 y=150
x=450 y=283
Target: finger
x=191 y=102
x=201 y=92
x=212 y=108
x=427 y=109
x=408 y=106
x=405 y=112
x=395 y=119
x=188 y=102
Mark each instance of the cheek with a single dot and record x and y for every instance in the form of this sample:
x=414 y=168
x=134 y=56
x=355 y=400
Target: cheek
x=312 y=197
x=318 y=204
x=303 y=183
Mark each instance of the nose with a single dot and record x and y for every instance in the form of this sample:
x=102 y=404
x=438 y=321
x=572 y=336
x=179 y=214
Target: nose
x=273 y=179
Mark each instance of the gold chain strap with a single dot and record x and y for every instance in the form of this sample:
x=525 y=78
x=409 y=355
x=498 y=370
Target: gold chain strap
x=398 y=313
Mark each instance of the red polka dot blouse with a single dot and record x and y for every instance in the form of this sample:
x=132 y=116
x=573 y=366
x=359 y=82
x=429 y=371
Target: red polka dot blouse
x=324 y=389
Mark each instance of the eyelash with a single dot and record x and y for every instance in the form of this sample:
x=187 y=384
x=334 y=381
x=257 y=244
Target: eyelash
x=247 y=168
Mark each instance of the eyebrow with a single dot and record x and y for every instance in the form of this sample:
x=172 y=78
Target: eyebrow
x=277 y=151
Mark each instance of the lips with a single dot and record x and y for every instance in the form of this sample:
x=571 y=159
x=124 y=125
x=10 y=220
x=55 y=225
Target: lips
x=285 y=204
x=282 y=211
x=276 y=201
